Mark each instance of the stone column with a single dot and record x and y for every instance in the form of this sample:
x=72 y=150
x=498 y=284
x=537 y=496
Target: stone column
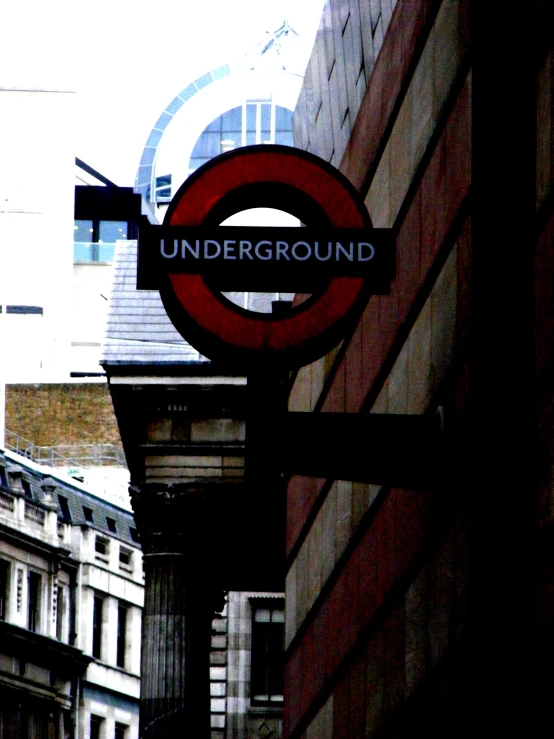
x=179 y=604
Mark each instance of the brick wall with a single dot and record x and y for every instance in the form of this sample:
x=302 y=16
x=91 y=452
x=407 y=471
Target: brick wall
x=51 y=415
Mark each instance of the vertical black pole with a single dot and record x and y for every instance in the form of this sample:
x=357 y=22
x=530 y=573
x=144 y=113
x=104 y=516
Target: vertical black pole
x=501 y=487
x=266 y=407
x=265 y=489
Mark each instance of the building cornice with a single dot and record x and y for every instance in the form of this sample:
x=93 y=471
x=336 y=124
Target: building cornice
x=28 y=646
x=37 y=546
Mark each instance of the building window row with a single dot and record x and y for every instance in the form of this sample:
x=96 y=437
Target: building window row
x=111 y=523
x=101 y=625
x=26 y=603
x=97 y=729
x=102 y=552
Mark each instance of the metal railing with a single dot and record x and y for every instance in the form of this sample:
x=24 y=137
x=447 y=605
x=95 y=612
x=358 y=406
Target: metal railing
x=66 y=455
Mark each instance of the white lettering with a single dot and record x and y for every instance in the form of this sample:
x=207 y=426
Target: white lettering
x=329 y=251
x=228 y=250
x=348 y=254
x=195 y=251
x=282 y=249
x=268 y=252
x=207 y=255
x=175 y=248
x=243 y=249
x=308 y=253
x=371 y=253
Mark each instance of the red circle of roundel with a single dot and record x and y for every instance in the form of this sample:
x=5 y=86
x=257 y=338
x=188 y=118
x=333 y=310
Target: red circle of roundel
x=210 y=323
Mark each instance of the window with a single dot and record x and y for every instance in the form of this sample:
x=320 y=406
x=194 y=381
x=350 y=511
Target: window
x=120 y=731
x=256 y=122
x=102 y=546
x=111 y=524
x=88 y=514
x=4 y=588
x=134 y=534
x=64 y=507
x=60 y=611
x=112 y=231
x=26 y=485
x=83 y=238
x=95 y=727
x=3 y=477
x=94 y=241
x=121 y=634
x=97 y=626
x=163 y=188
x=83 y=231
x=125 y=558
x=34 y=583
x=268 y=623
x=162 y=193
x=36 y=310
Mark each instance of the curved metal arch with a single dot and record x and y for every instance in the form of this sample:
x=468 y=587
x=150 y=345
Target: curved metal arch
x=145 y=176
x=145 y=180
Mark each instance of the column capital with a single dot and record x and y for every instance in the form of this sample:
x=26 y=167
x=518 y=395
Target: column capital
x=172 y=518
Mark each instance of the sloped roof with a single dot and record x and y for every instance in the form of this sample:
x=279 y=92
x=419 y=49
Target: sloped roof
x=77 y=499
x=138 y=329
x=123 y=522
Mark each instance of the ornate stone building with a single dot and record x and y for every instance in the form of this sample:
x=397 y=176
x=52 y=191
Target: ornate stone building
x=71 y=596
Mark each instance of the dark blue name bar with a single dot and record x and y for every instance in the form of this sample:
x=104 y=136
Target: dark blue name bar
x=264 y=259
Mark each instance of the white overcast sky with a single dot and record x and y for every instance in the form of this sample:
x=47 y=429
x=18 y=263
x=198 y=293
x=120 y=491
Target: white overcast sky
x=127 y=59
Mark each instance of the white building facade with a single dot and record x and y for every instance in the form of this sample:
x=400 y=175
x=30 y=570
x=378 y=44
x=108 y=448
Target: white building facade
x=53 y=292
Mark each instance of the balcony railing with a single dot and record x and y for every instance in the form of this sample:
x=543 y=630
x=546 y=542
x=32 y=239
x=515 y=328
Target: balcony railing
x=93 y=251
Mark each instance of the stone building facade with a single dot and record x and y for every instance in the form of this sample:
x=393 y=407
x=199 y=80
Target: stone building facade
x=71 y=596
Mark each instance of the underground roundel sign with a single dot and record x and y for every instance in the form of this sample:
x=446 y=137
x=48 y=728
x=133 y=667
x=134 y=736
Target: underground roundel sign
x=332 y=264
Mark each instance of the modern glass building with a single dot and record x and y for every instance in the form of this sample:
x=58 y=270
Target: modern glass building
x=249 y=101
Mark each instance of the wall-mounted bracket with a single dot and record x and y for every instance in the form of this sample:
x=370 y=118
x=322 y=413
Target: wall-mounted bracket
x=383 y=449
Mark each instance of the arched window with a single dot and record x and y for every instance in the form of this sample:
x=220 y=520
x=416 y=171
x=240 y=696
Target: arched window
x=255 y=122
